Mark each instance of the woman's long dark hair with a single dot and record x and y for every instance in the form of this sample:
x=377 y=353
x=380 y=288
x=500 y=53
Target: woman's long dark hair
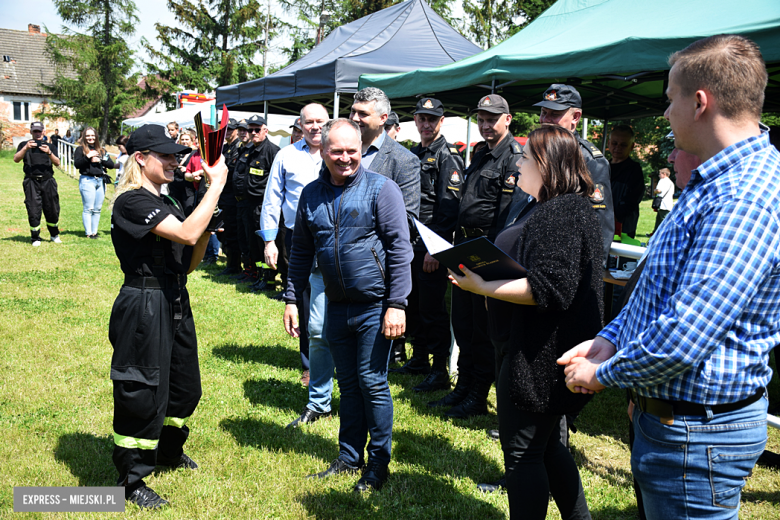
x=558 y=156
x=85 y=147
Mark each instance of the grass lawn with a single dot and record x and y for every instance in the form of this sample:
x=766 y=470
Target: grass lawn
x=56 y=403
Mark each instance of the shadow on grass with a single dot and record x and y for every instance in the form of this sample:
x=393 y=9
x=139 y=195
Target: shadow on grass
x=617 y=477
x=265 y=435
x=761 y=496
x=18 y=238
x=405 y=496
x=275 y=355
x=437 y=455
x=88 y=458
x=285 y=395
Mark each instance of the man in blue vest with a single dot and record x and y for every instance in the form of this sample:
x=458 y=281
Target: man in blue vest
x=353 y=222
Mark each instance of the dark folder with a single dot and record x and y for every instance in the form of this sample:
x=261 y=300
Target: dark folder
x=479 y=255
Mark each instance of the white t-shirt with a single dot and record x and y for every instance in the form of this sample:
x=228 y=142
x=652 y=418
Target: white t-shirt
x=665 y=188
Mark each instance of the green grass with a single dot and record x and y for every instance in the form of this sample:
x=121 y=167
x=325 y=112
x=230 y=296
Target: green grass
x=56 y=404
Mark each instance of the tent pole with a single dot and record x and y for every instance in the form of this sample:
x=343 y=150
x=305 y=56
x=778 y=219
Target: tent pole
x=604 y=140
x=468 y=139
x=335 y=105
x=265 y=109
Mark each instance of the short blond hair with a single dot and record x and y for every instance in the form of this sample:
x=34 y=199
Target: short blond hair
x=729 y=66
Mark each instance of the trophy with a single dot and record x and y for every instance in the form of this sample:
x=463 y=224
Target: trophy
x=210 y=141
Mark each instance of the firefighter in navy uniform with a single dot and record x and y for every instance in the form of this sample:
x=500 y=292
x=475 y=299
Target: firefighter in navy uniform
x=486 y=195
x=40 y=188
x=441 y=178
x=249 y=181
x=562 y=106
x=227 y=201
x=154 y=367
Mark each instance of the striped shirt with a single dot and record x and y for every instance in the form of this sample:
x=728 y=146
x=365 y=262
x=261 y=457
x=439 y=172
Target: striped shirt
x=706 y=311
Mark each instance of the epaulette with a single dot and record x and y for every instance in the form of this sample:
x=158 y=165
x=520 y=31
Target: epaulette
x=592 y=148
x=516 y=147
x=453 y=149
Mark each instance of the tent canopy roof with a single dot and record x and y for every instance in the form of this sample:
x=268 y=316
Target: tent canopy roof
x=403 y=37
x=614 y=51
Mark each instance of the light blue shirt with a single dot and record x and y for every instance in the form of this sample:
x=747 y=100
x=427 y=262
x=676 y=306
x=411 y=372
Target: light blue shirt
x=293 y=168
x=372 y=150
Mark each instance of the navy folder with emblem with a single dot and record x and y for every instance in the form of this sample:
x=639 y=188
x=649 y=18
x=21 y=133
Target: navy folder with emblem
x=479 y=255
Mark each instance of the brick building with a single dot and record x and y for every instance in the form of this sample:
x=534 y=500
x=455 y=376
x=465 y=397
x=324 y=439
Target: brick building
x=24 y=68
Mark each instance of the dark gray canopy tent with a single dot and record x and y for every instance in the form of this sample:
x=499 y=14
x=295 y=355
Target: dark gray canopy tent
x=404 y=37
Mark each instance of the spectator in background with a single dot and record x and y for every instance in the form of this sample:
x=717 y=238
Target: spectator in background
x=297 y=133
x=55 y=139
x=121 y=159
x=173 y=130
x=392 y=125
x=91 y=160
x=69 y=137
x=665 y=190
x=626 y=179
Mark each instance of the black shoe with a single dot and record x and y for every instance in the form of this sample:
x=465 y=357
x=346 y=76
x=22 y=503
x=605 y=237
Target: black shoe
x=337 y=467
x=182 y=462
x=436 y=380
x=493 y=435
x=374 y=477
x=145 y=498
x=455 y=397
x=308 y=416
x=229 y=271
x=414 y=366
x=474 y=404
x=208 y=261
x=260 y=285
x=492 y=487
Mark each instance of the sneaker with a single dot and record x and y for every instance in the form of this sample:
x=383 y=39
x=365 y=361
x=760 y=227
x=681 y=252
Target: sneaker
x=56 y=239
x=36 y=243
x=146 y=498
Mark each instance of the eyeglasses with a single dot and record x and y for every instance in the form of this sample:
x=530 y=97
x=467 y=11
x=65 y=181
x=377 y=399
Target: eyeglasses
x=255 y=130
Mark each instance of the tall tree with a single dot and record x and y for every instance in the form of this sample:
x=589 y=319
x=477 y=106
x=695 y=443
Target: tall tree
x=489 y=22
x=215 y=44
x=92 y=66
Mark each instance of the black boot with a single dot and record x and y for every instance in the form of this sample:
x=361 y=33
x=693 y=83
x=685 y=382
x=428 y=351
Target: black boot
x=416 y=365
x=438 y=379
x=462 y=388
x=233 y=263
x=474 y=404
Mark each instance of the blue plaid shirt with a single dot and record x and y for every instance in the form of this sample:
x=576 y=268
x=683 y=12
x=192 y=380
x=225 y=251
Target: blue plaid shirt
x=706 y=310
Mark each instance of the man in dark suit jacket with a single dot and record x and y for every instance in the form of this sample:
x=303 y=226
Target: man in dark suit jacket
x=385 y=156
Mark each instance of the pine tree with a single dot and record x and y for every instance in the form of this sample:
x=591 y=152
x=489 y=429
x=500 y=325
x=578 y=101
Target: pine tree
x=492 y=21
x=93 y=67
x=216 y=44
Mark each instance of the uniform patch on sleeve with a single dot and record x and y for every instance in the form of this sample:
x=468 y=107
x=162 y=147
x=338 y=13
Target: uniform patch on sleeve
x=455 y=177
x=510 y=181
x=598 y=194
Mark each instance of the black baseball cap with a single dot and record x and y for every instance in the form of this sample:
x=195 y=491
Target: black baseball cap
x=36 y=125
x=297 y=124
x=256 y=120
x=560 y=97
x=153 y=138
x=494 y=104
x=392 y=119
x=429 y=106
x=242 y=124
x=232 y=124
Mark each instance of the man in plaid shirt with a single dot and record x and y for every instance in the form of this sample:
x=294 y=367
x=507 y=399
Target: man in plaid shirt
x=692 y=343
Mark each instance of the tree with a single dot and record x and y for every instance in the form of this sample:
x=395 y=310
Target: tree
x=490 y=22
x=93 y=68
x=216 y=44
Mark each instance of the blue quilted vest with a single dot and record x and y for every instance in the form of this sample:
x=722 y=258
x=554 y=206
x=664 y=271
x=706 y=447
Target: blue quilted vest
x=349 y=253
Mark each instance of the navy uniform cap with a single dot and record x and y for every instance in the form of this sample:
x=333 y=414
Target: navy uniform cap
x=429 y=106
x=560 y=97
x=256 y=120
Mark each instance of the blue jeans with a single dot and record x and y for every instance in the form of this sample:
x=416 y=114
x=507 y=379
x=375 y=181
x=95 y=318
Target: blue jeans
x=320 y=359
x=361 y=353
x=93 y=191
x=212 y=249
x=696 y=468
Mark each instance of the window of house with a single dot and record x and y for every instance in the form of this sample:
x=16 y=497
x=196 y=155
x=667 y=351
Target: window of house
x=21 y=111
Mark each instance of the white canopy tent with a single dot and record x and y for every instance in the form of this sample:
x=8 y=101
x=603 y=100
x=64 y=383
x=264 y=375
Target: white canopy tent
x=278 y=125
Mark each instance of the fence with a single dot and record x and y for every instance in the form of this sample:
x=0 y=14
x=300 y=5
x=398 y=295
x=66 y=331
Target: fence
x=65 y=151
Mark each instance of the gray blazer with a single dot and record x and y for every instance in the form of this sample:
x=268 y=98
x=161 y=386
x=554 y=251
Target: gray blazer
x=402 y=166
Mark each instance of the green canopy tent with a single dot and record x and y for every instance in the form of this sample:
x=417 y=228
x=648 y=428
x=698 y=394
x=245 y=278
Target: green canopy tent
x=614 y=51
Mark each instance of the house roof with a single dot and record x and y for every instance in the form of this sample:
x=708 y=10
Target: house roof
x=29 y=65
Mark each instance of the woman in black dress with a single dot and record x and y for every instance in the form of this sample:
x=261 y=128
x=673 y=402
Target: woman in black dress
x=154 y=368
x=538 y=318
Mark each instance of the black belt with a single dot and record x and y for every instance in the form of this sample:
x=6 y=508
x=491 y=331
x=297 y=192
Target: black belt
x=169 y=281
x=473 y=232
x=666 y=410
